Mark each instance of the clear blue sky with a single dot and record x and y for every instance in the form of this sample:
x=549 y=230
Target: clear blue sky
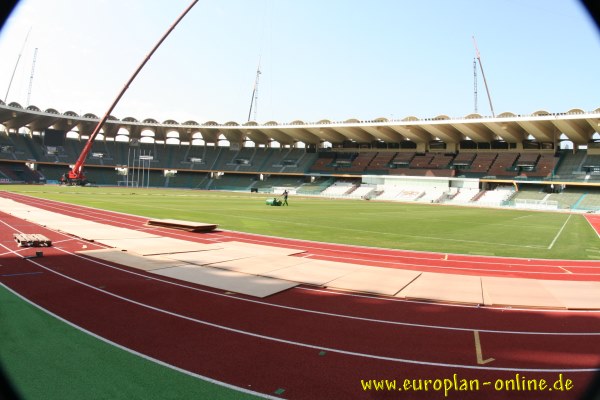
x=321 y=59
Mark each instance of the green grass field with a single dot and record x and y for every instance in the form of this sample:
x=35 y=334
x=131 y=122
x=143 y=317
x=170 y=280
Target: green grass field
x=447 y=229
x=45 y=358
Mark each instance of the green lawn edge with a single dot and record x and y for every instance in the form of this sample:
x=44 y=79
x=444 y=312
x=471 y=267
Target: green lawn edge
x=46 y=358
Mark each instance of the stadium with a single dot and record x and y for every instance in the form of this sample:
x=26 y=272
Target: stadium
x=438 y=160
x=445 y=257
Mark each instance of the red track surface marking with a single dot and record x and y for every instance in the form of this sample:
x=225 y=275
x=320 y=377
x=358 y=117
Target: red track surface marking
x=311 y=342
x=581 y=270
x=594 y=220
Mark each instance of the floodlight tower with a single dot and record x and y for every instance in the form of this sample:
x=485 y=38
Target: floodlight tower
x=254 y=99
x=475 y=84
x=478 y=56
x=31 y=77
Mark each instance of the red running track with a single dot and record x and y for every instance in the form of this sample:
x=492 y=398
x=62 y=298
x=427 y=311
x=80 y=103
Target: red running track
x=580 y=270
x=312 y=343
x=594 y=220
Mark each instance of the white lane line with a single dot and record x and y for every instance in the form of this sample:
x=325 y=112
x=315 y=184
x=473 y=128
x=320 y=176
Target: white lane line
x=310 y=346
x=589 y=220
x=559 y=232
x=430 y=256
x=344 y=294
x=564 y=269
x=345 y=316
x=315 y=245
x=105 y=212
x=131 y=351
x=394 y=299
x=399 y=265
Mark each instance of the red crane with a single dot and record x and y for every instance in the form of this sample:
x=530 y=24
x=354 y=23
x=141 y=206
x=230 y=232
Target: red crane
x=76 y=176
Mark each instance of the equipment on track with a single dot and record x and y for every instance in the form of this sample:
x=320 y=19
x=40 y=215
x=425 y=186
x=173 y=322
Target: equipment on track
x=274 y=202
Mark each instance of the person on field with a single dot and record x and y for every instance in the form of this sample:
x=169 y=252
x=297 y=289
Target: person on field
x=285 y=196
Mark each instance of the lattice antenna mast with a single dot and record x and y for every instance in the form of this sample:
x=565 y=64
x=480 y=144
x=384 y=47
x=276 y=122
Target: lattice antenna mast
x=475 y=84
x=31 y=76
x=483 y=75
x=254 y=99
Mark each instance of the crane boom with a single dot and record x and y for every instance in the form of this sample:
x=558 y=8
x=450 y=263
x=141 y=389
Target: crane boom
x=75 y=176
x=483 y=75
x=16 y=64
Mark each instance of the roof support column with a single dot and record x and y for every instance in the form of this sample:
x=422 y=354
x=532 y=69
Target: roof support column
x=451 y=147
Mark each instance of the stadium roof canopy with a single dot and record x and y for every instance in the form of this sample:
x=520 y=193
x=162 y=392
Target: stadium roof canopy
x=545 y=127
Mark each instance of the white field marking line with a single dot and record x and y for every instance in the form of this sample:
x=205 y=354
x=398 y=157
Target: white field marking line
x=105 y=213
x=318 y=257
x=71 y=239
x=451 y=267
x=97 y=211
x=291 y=245
x=97 y=219
x=132 y=220
x=136 y=353
x=569 y=272
x=314 y=347
x=68 y=239
x=432 y=255
x=591 y=225
x=523 y=216
x=345 y=316
x=429 y=253
x=439 y=267
x=503 y=309
x=137 y=227
x=437 y=258
x=15 y=251
x=455 y=268
x=34 y=201
x=11 y=251
x=434 y=219
x=347 y=294
x=393 y=234
x=329 y=291
x=559 y=232
x=342 y=293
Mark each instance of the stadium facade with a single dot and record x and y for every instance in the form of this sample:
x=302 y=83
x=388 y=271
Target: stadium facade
x=554 y=151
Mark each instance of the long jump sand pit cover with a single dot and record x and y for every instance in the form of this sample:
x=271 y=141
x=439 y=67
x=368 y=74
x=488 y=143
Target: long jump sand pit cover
x=251 y=285
x=259 y=265
x=387 y=281
x=130 y=259
x=314 y=272
x=158 y=245
x=517 y=292
x=230 y=251
x=431 y=286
